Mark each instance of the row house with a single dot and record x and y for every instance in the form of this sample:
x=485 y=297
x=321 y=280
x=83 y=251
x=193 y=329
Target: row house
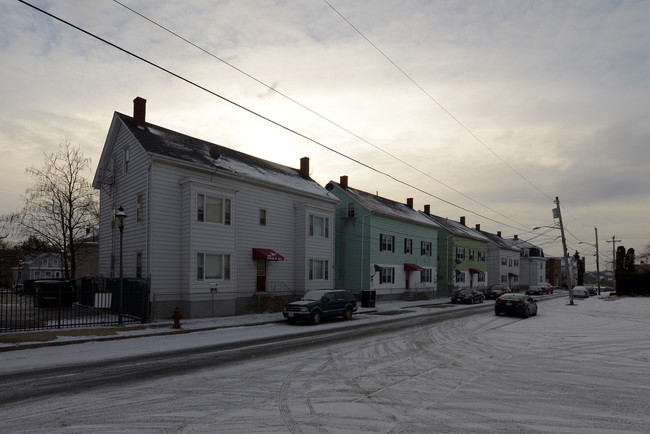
x=503 y=260
x=462 y=252
x=210 y=227
x=382 y=246
x=532 y=263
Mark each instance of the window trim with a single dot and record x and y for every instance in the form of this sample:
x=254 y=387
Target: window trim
x=202 y=211
x=386 y=243
x=324 y=226
x=408 y=246
x=224 y=273
x=324 y=268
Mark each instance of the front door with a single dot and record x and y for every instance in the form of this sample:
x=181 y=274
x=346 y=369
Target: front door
x=261 y=276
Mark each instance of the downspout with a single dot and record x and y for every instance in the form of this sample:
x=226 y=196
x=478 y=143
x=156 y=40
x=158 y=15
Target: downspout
x=363 y=231
x=146 y=222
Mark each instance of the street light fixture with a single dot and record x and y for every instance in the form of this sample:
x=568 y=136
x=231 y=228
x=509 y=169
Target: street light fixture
x=120 y=216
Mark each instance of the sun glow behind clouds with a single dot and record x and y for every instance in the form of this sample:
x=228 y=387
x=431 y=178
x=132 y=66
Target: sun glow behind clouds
x=558 y=90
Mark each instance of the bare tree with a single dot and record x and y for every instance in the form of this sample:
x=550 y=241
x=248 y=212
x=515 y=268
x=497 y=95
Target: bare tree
x=61 y=206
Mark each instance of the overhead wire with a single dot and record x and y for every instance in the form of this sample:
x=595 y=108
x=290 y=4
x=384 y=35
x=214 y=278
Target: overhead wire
x=203 y=88
x=284 y=95
x=443 y=108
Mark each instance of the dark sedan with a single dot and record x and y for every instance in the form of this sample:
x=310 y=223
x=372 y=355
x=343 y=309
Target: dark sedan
x=497 y=290
x=515 y=304
x=470 y=296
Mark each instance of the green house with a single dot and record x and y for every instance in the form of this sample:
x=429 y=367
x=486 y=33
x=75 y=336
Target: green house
x=384 y=247
x=462 y=253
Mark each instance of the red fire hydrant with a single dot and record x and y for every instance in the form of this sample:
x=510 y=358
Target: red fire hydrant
x=177 y=318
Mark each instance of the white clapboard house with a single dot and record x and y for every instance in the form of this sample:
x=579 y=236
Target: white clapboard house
x=215 y=230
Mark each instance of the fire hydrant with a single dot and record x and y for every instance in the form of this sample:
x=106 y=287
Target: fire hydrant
x=177 y=318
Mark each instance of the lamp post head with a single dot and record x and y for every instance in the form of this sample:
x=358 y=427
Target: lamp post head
x=120 y=215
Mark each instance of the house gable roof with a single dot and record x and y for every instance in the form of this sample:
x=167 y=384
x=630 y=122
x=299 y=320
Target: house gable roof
x=458 y=228
x=380 y=205
x=162 y=142
x=500 y=242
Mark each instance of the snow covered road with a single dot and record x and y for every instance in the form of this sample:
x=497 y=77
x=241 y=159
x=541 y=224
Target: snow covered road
x=583 y=368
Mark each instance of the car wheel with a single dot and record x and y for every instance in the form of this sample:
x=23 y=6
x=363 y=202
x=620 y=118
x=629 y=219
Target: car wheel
x=481 y=300
x=526 y=313
x=453 y=301
x=471 y=301
x=348 y=314
x=497 y=313
x=315 y=317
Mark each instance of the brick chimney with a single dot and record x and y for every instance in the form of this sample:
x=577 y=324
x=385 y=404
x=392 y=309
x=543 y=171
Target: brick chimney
x=140 y=111
x=462 y=220
x=344 y=182
x=409 y=202
x=304 y=167
x=478 y=227
x=427 y=209
x=499 y=234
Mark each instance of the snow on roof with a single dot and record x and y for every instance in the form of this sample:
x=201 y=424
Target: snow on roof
x=457 y=228
x=210 y=156
x=499 y=241
x=387 y=207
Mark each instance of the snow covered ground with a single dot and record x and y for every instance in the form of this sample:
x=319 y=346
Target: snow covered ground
x=582 y=369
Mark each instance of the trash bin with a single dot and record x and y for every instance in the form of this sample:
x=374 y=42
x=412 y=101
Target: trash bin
x=368 y=298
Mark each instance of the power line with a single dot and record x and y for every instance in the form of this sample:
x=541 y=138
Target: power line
x=471 y=133
x=151 y=63
x=273 y=89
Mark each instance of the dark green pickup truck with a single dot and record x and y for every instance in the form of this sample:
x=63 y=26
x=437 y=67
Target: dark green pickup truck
x=316 y=305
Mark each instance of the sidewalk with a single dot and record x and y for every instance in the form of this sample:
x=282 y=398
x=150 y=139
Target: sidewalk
x=65 y=336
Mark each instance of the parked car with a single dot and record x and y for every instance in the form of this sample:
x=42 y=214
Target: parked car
x=546 y=288
x=470 y=296
x=592 y=290
x=317 y=305
x=515 y=304
x=497 y=290
x=580 y=291
x=534 y=290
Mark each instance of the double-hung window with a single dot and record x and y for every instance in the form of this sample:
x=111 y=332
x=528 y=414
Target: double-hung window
x=387 y=275
x=408 y=246
x=425 y=275
x=425 y=248
x=319 y=226
x=460 y=253
x=212 y=209
x=318 y=269
x=210 y=266
x=386 y=243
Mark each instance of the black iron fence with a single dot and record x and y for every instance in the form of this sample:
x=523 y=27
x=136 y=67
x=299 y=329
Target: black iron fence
x=90 y=301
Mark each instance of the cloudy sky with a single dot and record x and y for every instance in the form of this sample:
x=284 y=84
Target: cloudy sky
x=483 y=109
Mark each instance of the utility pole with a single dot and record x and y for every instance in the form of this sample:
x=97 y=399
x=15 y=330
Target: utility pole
x=614 y=241
x=558 y=214
x=597 y=261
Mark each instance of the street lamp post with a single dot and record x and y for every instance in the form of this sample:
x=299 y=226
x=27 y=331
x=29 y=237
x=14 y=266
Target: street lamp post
x=120 y=216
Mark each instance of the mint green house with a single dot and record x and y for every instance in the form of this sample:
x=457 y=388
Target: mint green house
x=462 y=253
x=384 y=247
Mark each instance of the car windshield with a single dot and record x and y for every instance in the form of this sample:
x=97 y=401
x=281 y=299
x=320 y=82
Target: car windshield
x=313 y=295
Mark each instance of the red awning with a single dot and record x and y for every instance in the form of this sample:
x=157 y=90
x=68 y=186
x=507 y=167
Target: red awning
x=412 y=267
x=513 y=275
x=266 y=255
x=475 y=271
